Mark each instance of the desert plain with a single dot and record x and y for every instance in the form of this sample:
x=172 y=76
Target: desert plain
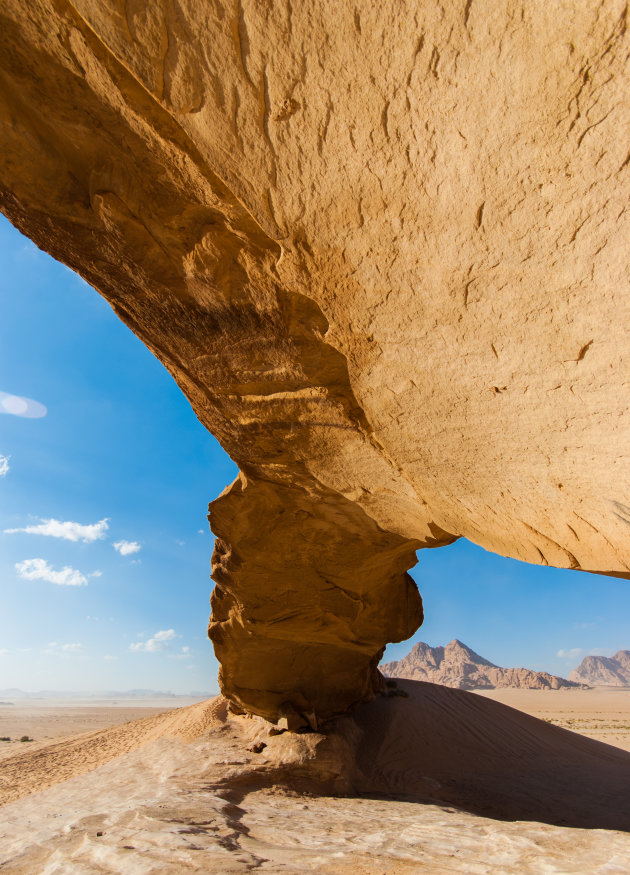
x=50 y=718
x=423 y=779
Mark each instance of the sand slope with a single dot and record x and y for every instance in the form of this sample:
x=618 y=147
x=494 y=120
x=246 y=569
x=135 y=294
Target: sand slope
x=51 y=764
x=490 y=759
x=419 y=784
x=602 y=714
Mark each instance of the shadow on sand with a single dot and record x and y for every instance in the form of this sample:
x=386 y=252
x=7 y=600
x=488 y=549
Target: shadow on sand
x=441 y=745
x=430 y=744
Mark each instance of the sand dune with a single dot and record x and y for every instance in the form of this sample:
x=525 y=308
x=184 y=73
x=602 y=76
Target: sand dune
x=490 y=759
x=439 y=781
x=602 y=714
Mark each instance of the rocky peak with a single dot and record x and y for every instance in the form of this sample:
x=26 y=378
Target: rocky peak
x=604 y=671
x=457 y=665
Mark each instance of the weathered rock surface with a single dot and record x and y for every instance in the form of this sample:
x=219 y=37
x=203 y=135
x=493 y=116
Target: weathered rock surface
x=383 y=250
x=604 y=671
x=460 y=667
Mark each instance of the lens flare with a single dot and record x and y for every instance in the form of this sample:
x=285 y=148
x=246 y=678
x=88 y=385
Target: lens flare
x=18 y=406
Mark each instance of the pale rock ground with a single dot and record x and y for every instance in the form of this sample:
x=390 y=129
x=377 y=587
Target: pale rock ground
x=383 y=792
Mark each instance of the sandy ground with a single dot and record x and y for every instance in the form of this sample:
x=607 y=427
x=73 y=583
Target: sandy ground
x=435 y=781
x=46 y=720
x=602 y=713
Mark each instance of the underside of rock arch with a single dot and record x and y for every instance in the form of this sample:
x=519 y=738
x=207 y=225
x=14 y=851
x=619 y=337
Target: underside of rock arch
x=383 y=249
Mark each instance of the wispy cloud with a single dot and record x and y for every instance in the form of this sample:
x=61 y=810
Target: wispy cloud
x=573 y=653
x=18 y=406
x=57 y=649
x=67 y=530
x=126 y=548
x=183 y=654
x=152 y=645
x=39 y=569
x=3 y=650
x=4 y=465
x=602 y=651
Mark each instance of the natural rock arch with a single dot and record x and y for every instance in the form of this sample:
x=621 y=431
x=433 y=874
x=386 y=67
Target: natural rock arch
x=383 y=251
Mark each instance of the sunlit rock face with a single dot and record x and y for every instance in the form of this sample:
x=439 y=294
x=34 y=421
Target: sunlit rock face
x=383 y=250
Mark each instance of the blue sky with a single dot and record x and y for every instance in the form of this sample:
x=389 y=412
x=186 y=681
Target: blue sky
x=118 y=596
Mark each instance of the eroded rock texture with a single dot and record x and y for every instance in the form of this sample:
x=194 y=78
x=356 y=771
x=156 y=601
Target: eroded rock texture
x=383 y=250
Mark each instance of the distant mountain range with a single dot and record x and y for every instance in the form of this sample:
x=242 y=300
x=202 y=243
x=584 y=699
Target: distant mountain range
x=604 y=671
x=456 y=665
x=15 y=693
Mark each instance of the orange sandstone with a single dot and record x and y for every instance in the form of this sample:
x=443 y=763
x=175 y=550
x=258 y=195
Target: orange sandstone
x=383 y=251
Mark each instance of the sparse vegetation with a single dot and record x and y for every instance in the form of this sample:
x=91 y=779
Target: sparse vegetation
x=5 y=738
x=26 y=738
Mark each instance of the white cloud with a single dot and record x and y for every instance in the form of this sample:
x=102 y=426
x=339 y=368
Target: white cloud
x=108 y=656
x=180 y=543
x=573 y=653
x=71 y=648
x=96 y=573
x=3 y=650
x=4 y=465
x=158 y=642
x=126 y=548
x=69 y=531
x=39 y=569
x=602 y=651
